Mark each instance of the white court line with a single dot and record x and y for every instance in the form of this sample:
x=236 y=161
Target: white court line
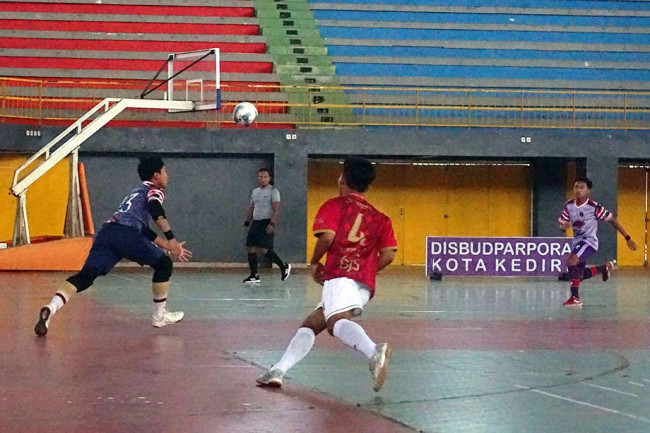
x=419 y=311
x=584 y=403
x=646 y=380
x=236 y=299
x=123 y=277
x=611 y=389
x=636 y=384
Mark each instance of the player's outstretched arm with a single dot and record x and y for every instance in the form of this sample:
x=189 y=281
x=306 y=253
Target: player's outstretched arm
x=628 y=239
x=182 y=254
x=177 y=249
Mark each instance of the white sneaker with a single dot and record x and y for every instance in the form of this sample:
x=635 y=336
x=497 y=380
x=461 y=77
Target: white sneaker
x=272 y=378
x=167 y=318
x=379 y=364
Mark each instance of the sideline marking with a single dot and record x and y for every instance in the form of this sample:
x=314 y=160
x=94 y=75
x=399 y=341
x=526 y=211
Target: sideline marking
x=611 y=389
x=584 y=403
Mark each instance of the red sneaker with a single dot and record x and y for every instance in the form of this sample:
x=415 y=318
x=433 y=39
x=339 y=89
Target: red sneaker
x=573 y=301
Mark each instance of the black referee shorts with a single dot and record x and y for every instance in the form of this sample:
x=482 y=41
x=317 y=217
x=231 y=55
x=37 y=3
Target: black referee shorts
x=257 y=236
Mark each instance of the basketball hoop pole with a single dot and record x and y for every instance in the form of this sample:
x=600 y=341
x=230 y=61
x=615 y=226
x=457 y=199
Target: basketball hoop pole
x=68 y=142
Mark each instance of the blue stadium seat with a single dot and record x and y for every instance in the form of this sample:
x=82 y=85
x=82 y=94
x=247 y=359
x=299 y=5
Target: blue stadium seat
x=573 y=45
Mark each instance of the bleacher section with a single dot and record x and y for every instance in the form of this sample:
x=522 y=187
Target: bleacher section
x=122 y=44
x=576 y=44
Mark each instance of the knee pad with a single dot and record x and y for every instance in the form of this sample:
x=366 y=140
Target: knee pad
x=84 y=278
x=162 y=269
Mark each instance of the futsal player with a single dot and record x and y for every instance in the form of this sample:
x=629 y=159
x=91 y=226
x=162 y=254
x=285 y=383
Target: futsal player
x=582 y=214
x=359 y=241
x=127 y=235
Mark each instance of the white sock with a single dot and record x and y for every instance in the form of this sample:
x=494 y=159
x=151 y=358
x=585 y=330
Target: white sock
x=354 y=336
x=298 y=348
x=159 y=308
x=55 y=304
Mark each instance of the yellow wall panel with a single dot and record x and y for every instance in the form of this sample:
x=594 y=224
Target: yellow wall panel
x=509 y=201
x=467 y=204
x=424 y=198
x=8 y=165
x=436 y=200
x=385 y=194
x=322 y=185
x=632 y=214
x=46 y=199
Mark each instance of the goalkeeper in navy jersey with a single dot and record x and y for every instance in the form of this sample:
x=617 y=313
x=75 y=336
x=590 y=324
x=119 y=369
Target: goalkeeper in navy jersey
x=582 y=214
x=127 y=235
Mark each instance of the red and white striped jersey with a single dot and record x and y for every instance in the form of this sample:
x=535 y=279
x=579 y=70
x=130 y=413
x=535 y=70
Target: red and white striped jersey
x=584 y=220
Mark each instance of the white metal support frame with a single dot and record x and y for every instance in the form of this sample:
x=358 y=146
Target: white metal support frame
x=78 y=134
x=74 y=222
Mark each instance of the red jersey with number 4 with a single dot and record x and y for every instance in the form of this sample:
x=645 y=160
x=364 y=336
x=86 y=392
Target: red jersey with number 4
x=360 y=233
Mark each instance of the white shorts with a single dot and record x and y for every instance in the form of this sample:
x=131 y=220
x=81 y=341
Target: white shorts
x=343 y=294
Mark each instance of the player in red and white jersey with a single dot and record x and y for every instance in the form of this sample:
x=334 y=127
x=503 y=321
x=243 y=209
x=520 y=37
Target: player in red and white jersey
x=360 y=231
x=583 y=214
x=359 y=241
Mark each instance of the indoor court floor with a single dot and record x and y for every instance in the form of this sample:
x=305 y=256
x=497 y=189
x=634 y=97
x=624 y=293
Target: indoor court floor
x=470 y=355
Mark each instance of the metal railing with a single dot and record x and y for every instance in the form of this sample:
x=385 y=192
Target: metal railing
x=46 y=102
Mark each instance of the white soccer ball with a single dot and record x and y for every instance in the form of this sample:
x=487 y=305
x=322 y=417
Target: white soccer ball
x=244 y=114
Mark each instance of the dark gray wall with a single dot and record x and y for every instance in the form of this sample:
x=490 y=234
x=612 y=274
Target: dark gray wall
x=213 y=170
x=549 y=186
x=205 y=200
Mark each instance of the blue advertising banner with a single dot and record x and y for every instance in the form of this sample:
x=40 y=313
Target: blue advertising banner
x=503 y=257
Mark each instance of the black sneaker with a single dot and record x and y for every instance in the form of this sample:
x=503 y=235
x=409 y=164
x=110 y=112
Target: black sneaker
x=253 y=279
x=607 y=271
x=43 y=321
x=285 y=271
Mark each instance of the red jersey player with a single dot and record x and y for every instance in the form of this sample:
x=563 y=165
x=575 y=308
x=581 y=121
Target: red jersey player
x=358 y=241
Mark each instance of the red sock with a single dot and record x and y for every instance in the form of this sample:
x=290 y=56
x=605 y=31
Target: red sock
x=575 y=287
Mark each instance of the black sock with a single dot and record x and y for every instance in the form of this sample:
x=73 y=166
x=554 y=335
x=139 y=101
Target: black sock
x=574 y=291
x=252 y=263
x=586 y=274
x=275 y=258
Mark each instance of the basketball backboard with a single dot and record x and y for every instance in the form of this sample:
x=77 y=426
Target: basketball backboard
x=191 y=76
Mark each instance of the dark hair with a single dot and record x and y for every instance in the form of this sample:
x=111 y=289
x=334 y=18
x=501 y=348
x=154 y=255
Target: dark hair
x=268 y=170
x=358 y=173
x=148 y=166
x=585 y=180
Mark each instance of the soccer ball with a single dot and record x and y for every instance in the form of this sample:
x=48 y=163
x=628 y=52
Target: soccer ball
x=244 y=114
